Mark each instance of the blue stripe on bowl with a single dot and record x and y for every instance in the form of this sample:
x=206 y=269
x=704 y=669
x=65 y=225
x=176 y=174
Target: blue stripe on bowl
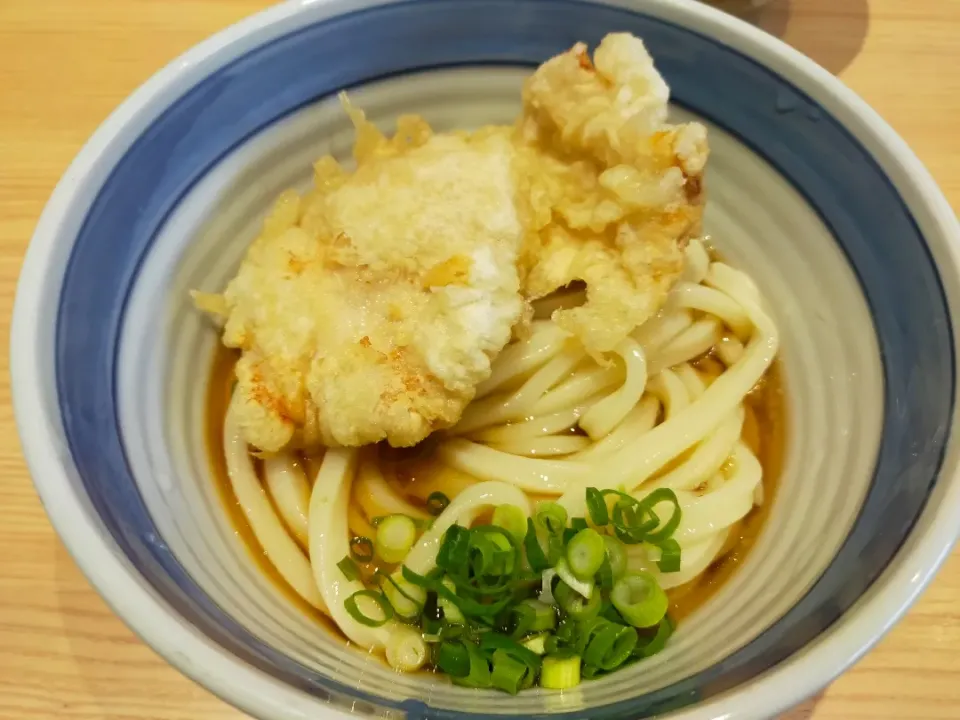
x=833 y=171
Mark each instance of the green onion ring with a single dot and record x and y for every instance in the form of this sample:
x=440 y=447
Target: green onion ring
x=350 y=605
x=362 y=549
x=437 y=502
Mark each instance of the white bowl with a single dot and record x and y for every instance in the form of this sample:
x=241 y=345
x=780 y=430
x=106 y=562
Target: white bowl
x=809 y=191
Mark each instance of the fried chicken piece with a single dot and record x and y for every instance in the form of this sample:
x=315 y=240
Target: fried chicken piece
x=613 y=191
x=371 y=308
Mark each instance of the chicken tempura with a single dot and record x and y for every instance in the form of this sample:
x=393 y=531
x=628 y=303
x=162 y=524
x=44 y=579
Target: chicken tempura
x=371 y=308
x=615 y=190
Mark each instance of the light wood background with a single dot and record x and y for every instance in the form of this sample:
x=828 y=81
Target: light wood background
x=65 y=64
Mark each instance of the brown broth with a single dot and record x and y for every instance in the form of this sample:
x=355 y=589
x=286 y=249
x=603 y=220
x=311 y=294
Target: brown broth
x=764 y=432
x=218 y=398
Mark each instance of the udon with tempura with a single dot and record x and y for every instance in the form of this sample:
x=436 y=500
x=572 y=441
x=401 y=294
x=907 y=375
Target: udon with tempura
x=496 y=407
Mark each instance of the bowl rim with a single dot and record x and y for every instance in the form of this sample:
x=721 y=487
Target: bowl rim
x=255 y=692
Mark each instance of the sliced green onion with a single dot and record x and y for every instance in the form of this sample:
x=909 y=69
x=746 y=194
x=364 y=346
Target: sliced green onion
x=544 y=616
x=669 y=561
x=470 y=608
x=605 y=576
x=406 y=650
x=611 y=646
x=585 y=554
x=477 y=607
x=531 y=544
x=658 y=496
x=395 y=536
x=502 y=646
x=451 y=613
x=511 y=519
x=631 y=520
x=639 y=599
x=503 y=560
x=349 y=568
x=437 y=502
x=537 y=643
x=560 y=673
x=550 y=520
x=452 y=632
x=362 y=549
x=453 y=659
x=484 y=563
x=576 y=525
x=551 y=517
x=555 y=546
x=590 y=671
x=532 y=616
x=609 y=612
x=551 y=645
x=546 y=588
x=567 y=631
x=351 y=605
x=479 y=674
x=574 y=604
x=585 y=632
x=508 y=674
x=634 y=521
x=597 y=507
x=617 y=555
x=455 y=549
x=659 y=640
x=584 y=587
x=407 y=599
x=493 y=554
x=496 y=641
x=518 y=621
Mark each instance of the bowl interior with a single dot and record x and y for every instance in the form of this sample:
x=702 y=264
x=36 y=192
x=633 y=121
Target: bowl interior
x=756 y=219
x=794 y=198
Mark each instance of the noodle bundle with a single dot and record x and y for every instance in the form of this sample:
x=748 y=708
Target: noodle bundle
x=550 y=422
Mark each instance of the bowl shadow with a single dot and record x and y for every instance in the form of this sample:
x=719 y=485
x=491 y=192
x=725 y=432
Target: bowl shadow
x=830 y=32
x=805 y=710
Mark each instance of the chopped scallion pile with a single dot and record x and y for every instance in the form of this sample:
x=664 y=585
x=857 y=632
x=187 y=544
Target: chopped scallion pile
x=543 y=600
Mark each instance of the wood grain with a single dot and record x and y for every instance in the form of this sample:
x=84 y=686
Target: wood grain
x=65 y=64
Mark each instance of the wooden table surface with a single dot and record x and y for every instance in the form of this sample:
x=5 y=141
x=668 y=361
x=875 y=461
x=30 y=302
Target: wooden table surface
x=65 y=64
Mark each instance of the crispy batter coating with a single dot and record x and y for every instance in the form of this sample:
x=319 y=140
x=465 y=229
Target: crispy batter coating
x=614 y=190
x=370 y=308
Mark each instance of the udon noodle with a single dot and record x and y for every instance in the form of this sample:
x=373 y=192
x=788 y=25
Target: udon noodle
x=549 y=422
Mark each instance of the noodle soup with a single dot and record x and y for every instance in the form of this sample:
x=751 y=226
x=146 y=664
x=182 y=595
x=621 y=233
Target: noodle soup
x=416 y=473
x=498 y=412
x=559 y=387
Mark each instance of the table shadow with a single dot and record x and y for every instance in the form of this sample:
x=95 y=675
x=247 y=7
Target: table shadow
x=832 y=32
